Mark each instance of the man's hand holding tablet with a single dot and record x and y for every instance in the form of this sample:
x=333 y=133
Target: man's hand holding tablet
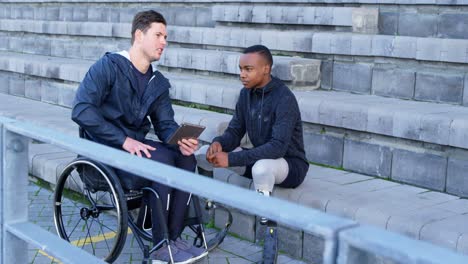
x=186 y=136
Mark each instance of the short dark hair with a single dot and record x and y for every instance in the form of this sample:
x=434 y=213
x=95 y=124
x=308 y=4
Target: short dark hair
x=143 y=20
x=262 y=51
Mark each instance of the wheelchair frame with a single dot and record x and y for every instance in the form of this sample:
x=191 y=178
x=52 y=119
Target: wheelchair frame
x=120 y=203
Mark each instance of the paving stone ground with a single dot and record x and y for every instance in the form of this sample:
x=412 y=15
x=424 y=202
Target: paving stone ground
x=232 y=251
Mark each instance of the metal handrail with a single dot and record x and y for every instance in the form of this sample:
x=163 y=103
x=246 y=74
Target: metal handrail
x=14 y=141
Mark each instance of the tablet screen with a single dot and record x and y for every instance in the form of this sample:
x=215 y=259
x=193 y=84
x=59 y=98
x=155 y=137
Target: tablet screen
x=186 y=130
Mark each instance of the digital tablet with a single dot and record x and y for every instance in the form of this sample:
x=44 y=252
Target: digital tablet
x=186 y=130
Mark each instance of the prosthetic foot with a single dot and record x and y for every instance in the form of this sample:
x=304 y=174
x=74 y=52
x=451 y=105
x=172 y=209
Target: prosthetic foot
x=263 y=220
x=270 y=247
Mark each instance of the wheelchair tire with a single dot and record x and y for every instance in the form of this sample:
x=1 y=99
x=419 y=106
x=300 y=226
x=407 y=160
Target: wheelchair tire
x=94 y=218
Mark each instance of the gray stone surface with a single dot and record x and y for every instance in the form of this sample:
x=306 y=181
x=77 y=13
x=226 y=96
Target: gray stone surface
x=404 y=47
x=465 y=91
x=32 y=88
x=388 y=23
x=50 y=92
x=243 y=225
x=417 y=24
x=16 y=86
x=429 y=49
x=423 y=169
x=367 y=158
x=313 y=248
x=382 y=45
x=361 y=45
x=5 y=82
x=365 y=20
x=393 y=82
x=435 y=128
x=453 y=25
x=326 y=74
x=451 y=50
x=457 y=135
x=341 y=44
x=439 y=87
x=457 y=180
x=454 y=50
x=324 y=148
x=352 y=77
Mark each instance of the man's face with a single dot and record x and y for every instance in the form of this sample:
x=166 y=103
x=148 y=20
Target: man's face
x=254 y=70
x=153 y=41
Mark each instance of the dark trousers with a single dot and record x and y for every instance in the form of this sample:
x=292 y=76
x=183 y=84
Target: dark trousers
x=174 y=202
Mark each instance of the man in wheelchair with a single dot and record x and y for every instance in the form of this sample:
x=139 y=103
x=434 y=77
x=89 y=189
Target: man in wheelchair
x=112 y=105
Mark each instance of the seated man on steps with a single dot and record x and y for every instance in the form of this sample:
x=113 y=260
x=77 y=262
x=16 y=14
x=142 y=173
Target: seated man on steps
x=113 y=103
x=268 y=112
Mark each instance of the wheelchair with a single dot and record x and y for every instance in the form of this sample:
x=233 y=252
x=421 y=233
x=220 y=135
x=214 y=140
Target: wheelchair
x=94 y=212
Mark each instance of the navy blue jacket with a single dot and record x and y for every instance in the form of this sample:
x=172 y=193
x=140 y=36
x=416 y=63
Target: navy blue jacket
x=109 y=109
x=272 y=120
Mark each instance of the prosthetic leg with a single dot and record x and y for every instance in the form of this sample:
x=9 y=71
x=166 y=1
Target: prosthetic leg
x=270 y=246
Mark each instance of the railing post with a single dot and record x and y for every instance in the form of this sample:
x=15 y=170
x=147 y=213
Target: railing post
x=14 y=199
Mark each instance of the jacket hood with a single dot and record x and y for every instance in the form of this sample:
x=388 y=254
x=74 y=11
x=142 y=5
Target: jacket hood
x=270 y=86
x=121 y=59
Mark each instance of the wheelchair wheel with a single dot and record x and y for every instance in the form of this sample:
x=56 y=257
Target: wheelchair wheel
x=90 y=209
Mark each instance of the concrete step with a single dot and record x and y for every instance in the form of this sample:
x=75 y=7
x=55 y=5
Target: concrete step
x=102 y=11
x=423 y=81
x=421 y=214
x=369 y=134
x=340 y=43
x=57 y=117
x=301 y=72
x=374 y=114
x=299 y=15
x=413 y=211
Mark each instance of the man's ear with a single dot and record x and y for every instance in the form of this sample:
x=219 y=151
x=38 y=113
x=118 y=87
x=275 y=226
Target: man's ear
x=138 y=35
x=267 y=69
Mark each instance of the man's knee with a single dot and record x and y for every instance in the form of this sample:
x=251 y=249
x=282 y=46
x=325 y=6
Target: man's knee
x=262 y=169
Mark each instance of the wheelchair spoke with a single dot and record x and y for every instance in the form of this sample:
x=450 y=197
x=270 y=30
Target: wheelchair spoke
x=87 y=234
x=90 y=237
x=73 y=230
x=103 y=234
x=112 y=230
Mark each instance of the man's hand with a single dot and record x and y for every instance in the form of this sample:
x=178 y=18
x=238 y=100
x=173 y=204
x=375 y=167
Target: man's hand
x=188 y=146
x=136 y=147
x=215 y=147
x=220 y=160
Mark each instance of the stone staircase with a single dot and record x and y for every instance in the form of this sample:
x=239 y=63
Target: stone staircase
x=381 y=87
